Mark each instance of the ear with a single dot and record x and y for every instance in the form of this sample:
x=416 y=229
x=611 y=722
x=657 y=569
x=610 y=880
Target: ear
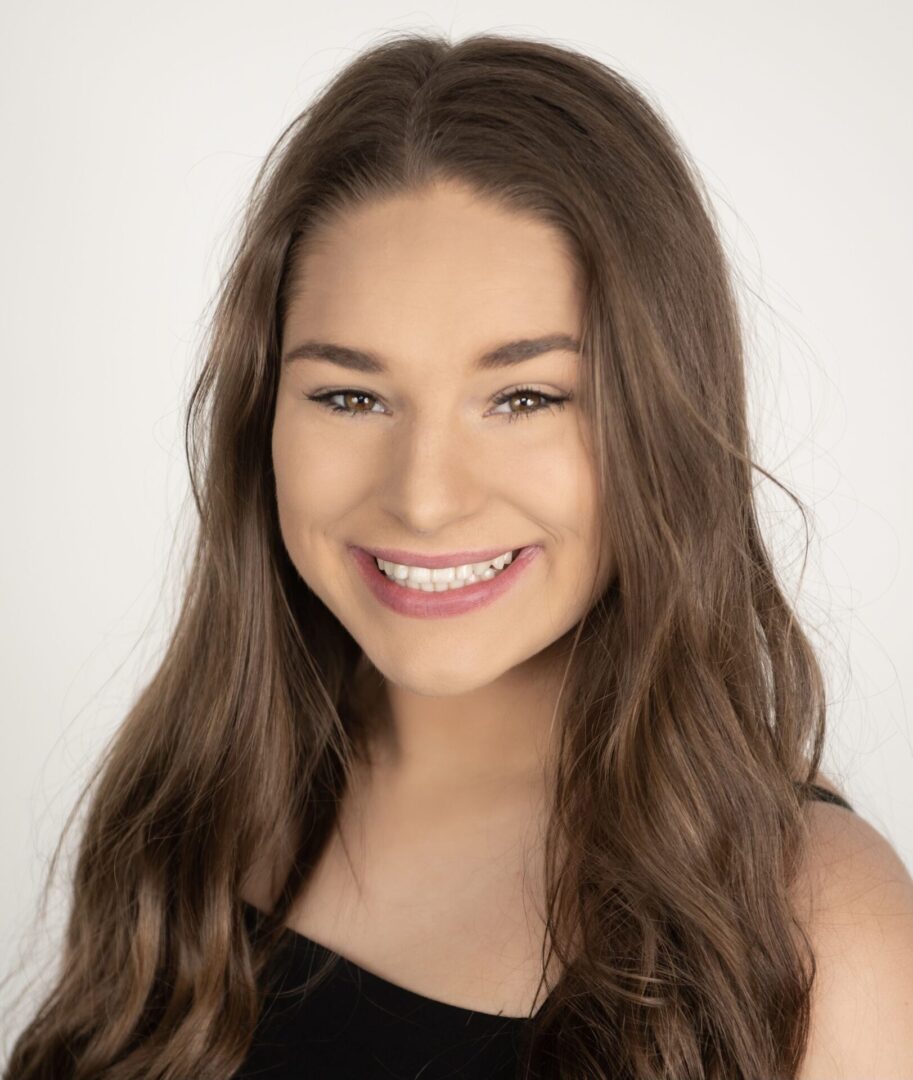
x=858 y=913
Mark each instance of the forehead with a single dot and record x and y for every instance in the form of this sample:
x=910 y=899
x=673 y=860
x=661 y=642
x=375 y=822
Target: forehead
x=445 y=264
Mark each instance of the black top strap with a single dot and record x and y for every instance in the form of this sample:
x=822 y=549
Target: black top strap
x=824 y=795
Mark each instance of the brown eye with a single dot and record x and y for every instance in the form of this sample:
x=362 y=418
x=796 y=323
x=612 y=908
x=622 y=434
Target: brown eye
x=528 y=394
x=326 y=400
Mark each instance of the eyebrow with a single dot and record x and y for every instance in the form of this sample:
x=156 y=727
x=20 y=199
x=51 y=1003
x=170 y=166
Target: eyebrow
x=513 y=352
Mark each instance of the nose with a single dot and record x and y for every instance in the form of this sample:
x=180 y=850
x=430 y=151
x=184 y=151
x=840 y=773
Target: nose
x=436 y=474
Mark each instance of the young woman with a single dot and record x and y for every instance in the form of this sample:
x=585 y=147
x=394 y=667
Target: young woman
x=485 y=738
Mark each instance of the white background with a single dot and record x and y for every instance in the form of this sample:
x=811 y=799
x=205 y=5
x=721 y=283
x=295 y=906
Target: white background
x=131 y=135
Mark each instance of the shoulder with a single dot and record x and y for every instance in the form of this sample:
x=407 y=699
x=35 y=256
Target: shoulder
x=855 y=902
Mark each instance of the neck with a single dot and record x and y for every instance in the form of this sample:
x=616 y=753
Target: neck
x=496 y=736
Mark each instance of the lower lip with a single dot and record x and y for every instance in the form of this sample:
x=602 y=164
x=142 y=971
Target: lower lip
x=436 y=605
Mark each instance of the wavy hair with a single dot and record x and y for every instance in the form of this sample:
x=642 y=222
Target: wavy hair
x=692 y=710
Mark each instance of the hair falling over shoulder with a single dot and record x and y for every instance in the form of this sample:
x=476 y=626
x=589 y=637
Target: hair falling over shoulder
x=693 y=703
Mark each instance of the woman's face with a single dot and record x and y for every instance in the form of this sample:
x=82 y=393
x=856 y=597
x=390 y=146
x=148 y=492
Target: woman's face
x=438 y=454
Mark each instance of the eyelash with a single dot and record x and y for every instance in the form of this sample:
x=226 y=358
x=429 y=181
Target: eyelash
x=551 y=401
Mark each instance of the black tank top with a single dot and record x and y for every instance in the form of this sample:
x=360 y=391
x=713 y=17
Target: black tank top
x=357 y=1026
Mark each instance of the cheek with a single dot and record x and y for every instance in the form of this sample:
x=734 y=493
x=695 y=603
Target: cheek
x=566 y=496
x=561 y=477
x=315 y=480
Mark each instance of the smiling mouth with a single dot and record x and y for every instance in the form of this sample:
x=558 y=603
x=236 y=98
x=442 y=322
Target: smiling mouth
x=445 y=578
x=423 y=592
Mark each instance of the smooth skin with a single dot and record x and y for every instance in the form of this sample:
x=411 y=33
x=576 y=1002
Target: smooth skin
x=854 y=897
x=435 y=881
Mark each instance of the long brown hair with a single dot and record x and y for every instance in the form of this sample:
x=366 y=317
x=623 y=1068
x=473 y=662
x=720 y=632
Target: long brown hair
x=693 y=706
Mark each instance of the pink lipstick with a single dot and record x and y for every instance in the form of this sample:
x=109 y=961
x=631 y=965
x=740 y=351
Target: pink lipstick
x=420 y=604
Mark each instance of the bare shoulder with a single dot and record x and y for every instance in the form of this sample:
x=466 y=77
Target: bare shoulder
x=855 y=902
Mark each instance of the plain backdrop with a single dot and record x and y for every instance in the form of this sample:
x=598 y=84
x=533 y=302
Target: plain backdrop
x=131 y=134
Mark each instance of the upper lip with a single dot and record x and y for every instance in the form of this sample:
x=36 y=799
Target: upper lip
x=434 y=562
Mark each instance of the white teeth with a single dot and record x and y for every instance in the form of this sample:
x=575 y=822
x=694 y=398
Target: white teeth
x=446 y=577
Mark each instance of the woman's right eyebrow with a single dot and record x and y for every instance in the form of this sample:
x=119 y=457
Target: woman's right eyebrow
x=512 y=352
